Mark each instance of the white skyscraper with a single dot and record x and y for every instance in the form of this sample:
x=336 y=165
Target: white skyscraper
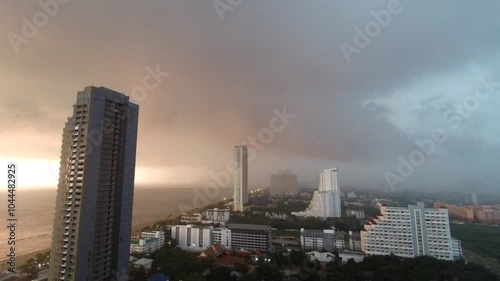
x=409 y=232
x=240 y=177
x=326 y=200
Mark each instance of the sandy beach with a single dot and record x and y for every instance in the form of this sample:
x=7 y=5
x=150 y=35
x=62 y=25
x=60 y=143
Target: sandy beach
x=136 y=229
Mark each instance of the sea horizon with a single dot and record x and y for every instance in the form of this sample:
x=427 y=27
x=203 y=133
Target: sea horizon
x=35 y=209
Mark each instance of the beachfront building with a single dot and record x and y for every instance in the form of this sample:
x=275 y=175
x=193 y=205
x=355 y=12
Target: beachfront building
x=191 y=218
x=216 y=215
x=326 y=200
x=192 y=238
x=92 y=224
x=148 y=242
x=154 y=234
x=145 y=245
x=408 y=232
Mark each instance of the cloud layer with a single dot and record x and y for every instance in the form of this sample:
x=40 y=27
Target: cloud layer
x=226 y=77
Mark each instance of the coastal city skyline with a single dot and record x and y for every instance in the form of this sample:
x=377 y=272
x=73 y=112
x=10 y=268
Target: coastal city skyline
x=233 y=140
x=192 y=73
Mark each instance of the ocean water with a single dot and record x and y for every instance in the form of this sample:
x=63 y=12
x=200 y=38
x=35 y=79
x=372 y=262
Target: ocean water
x=35 y=213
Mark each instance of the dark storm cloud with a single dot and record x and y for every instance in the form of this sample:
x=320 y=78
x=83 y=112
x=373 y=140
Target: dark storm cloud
x=226 y=77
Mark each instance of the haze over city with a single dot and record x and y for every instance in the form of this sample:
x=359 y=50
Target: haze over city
x=218 y=79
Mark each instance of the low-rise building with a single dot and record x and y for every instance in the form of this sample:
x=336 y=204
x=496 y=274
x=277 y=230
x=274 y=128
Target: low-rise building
x=222 y=236
x=317 y=240
x=354 y=241
x=145 y=246
x=251 y=237
x=147 y=242
x=216 y=215
x=191 y=218
x=154 y=234
x=339 y=240
x=192 y=238
x=359 y=214
x=211 y=252
x=145 y=263
x=356 y=256
x=456 y=248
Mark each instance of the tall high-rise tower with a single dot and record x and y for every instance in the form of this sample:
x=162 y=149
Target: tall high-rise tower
x=240 y=177
x=92 y=225
x=326 y=200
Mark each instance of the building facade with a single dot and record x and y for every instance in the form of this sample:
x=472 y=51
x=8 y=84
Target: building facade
x=92 y=225
x=359 y=214
x=192 y=238
x=222 y=236
x=326 y=200
x=155 y=234
x=145 y=246
x=354 y=241
x=317 y=240
x=456 y=248
x=408 y=232
x=216 y=215
x=191 y=218
x=250 y=237
x=240 y=178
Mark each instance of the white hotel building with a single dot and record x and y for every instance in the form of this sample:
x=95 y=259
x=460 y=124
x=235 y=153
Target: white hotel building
x=326 y=200
x=216 y=215
x=409 y=232
x=192 y=238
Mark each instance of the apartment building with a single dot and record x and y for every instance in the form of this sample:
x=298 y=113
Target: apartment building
x=216 y=215
x=354 y=241
x=192 y=238
x=145 y=245
x=408 y=232
x=317 y=240
x=93 y=216
x=250 y=237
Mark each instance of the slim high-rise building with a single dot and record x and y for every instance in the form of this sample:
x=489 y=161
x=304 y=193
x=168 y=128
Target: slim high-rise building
x=240 y=177
x=92 y=225
x=326 y=200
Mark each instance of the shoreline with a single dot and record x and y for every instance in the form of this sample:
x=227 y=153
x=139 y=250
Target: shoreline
x=136 y=228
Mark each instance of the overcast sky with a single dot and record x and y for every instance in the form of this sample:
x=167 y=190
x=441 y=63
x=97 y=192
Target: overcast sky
x=362 y=91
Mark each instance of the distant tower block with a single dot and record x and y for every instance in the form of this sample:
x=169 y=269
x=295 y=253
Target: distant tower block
x=284 y=183
x=326 y=200
x=473 y=198
x=240 y=177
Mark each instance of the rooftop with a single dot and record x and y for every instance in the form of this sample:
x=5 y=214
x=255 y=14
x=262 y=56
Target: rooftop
x=143 y=261
x=248 y=226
